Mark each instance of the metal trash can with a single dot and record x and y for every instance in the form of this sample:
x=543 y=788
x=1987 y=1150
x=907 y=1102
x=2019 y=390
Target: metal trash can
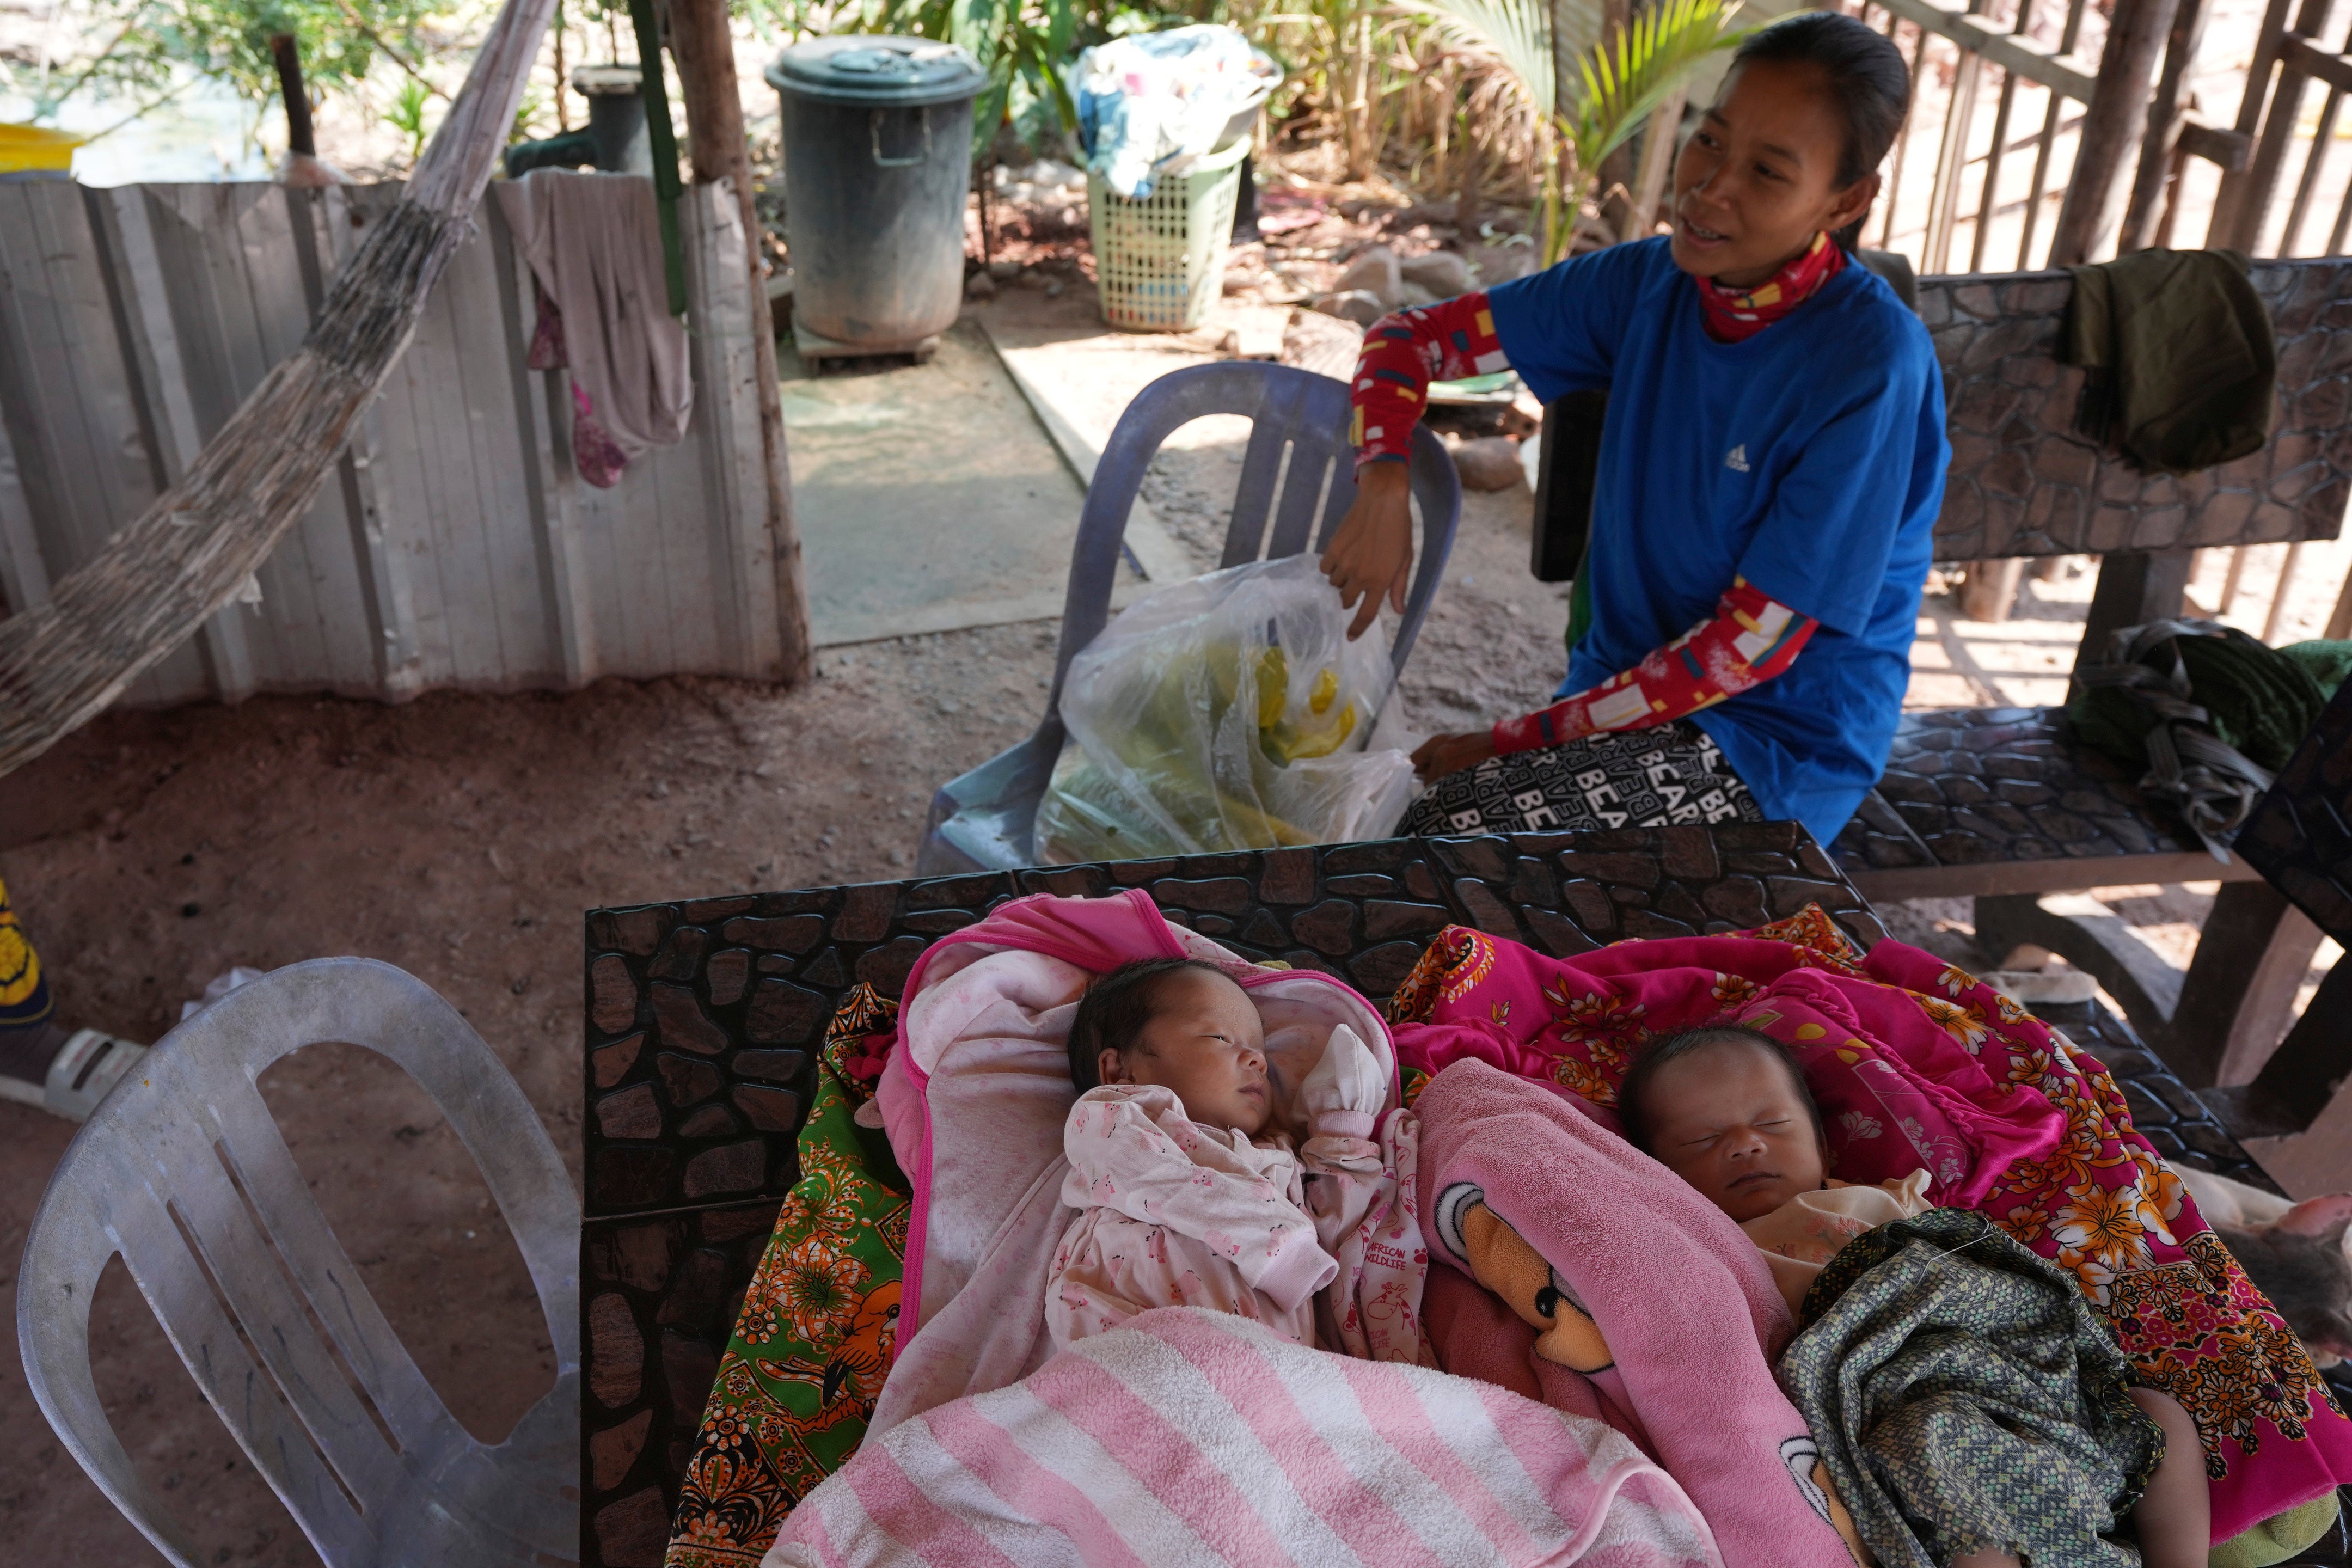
x=616 y=118
x=877 y=161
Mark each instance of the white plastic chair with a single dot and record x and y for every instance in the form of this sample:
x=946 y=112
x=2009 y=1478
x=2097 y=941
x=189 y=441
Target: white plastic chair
x=183 y=1171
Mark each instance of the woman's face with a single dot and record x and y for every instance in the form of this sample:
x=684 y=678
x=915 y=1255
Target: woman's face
x=1757 y=179
x=1206 y=1042
x=1726 y=1120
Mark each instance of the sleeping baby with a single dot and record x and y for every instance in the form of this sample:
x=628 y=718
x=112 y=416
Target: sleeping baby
x=1189 y=1194
x=1728 y=1110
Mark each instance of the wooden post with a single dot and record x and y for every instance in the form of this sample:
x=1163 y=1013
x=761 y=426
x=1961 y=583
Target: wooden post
x=2167 y=112
x=2272 y=109
x=2238 y=997
x=1658 y=149
x=2339 y=623
x=2112 y=124
x=2305 y=1073
x=2134 y=587
x=298 y=137
x=717 y=149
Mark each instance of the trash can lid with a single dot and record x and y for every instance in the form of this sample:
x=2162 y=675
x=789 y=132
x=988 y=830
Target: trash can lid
x=608 y=82
x=883 y=72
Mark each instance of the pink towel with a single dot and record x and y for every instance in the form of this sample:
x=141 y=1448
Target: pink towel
x=1192 y=1438
x=975 y=1099
x=1683 y=1299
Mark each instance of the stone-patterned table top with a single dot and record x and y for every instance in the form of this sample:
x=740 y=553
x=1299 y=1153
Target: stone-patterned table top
x=2300 y=835
x=704 y=1013
x=2023 y=483
x=703 y=1016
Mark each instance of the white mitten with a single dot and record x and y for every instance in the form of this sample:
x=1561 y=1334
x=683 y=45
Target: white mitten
x=1346 y=1092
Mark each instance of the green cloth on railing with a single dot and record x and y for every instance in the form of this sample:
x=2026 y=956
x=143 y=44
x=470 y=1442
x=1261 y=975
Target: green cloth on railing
x=2262 y=701
x=2179 y=364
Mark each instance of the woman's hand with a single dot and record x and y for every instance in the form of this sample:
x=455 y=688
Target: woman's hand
x=1371 y=557
x=1443 y=755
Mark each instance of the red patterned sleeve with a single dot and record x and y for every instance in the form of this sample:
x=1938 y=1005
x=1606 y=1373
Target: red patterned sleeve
x=1402 y=354
x=1751 y=639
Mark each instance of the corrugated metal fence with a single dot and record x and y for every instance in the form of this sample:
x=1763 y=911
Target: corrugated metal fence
x=455 y=544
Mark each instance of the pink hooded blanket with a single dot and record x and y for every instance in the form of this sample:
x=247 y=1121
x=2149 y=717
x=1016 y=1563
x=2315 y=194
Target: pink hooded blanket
x=1682 y=1299
x=1916 y=1064
x=975 y=1099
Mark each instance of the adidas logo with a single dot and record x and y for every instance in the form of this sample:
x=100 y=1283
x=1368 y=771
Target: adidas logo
x=1736 y=459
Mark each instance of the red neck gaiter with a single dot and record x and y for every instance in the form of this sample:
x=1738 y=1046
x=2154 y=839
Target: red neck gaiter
x=1735 y=315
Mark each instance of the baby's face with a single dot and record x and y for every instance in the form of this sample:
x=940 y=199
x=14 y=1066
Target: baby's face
x=1726 y=1120
x=1206 y=1042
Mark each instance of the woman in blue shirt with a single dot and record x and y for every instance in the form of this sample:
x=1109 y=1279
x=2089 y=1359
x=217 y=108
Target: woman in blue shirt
x=1771 y=469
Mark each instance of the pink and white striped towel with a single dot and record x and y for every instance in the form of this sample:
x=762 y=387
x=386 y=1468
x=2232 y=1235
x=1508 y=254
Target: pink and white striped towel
x=1192 y=1438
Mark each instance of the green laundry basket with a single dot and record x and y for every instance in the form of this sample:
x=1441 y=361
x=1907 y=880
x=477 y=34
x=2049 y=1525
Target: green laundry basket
x=1160 y=262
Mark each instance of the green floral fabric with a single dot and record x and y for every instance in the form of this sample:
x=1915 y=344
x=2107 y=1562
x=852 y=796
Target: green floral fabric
x=818 y=1322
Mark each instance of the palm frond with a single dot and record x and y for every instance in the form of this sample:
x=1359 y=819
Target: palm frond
x=1625 y=78
x=1516 y=33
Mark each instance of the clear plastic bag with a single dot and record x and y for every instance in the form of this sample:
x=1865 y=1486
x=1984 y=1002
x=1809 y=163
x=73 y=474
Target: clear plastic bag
x=1228 y=713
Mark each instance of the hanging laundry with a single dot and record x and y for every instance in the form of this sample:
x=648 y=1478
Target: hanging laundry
x=593 y=244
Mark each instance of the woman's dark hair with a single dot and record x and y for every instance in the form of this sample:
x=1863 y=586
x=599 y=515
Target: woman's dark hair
x=1113 y=1012
x=1632 y=1112
x=1867 y=80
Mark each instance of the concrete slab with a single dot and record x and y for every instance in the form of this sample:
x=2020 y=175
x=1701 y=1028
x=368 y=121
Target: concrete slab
x=928 y=497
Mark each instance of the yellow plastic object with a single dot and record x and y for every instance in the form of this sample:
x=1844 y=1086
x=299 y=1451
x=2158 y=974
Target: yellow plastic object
x=27 y=148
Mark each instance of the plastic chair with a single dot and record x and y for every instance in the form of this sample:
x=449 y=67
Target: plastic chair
x=982 y=819
x=184 y=1172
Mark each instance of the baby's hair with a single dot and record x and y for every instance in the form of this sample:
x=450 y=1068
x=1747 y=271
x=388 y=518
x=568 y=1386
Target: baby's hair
x=1634 y=1115
x=1112 y=1013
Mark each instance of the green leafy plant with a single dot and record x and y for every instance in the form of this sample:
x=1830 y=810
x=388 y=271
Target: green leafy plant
x=1030 y=41
x=1591 y=93
x=406 y=115
x=1331 y=51
x=154 y=44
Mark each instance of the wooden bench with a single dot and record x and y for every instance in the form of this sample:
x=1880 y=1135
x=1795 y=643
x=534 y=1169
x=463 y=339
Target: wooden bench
x=704 y=1018
x=2000 y=803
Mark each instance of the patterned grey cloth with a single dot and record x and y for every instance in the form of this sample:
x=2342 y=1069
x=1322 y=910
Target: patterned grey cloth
x=1642 y=778
x=1965 y=1399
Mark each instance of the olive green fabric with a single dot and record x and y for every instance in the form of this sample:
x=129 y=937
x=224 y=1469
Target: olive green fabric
x=2279 y=1538
x=2262 y=700
x=2329 y=663
x=2179 y=360
x=1580 y=603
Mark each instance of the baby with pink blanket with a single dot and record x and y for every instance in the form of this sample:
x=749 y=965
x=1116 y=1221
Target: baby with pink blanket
x=1189 y=1194
x=1728 y=1111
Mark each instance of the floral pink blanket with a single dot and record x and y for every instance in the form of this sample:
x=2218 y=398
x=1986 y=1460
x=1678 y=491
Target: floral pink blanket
x=1917 y=1064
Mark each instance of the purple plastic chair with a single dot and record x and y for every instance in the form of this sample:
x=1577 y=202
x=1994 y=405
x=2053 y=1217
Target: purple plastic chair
x=982 y=820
